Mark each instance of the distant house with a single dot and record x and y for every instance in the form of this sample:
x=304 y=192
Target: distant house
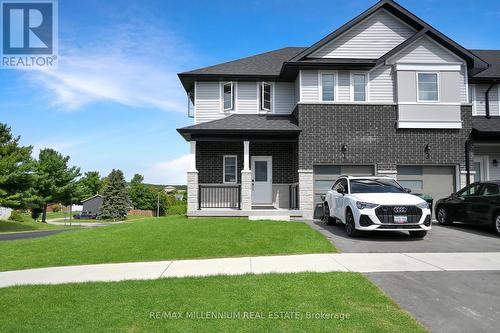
x=170 y=189
x=92 y=204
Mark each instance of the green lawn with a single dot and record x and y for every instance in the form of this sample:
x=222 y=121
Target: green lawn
x=164 y=238
x=127 y=306
x=28 y=225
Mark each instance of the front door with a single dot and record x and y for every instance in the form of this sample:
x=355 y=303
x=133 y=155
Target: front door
x=262 y=180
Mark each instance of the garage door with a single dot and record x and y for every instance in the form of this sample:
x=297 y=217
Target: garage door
x=325 y=176
x=436 y=181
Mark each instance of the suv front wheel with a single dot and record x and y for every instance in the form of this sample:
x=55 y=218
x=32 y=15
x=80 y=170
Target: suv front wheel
x=326 y=215
x=350 y=225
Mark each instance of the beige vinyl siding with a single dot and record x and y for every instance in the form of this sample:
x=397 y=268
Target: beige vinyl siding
x=207 y=101
x=463 y=86
x=369 y=39
x=309 y=89
x=284 y=97
x=247 y=99
x=426 y=50
x=297 y=89
x=344 y=86
x=480 y=100
x=381 y=84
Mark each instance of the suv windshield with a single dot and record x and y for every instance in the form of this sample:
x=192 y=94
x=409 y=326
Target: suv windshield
x=375 y=186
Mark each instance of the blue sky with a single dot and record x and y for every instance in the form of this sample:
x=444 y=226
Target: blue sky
x=115 y=100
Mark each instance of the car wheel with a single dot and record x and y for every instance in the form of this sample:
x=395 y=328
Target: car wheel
x=350 y=225
x=418 y=234
x=326 y=215
x=497 y=223
x=442 y=216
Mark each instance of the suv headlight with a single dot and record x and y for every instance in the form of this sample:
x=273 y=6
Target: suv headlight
x=365 y=205
x=423 y=205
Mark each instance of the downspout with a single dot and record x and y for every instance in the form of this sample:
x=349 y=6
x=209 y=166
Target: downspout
x=487 y=99
x=467 y=161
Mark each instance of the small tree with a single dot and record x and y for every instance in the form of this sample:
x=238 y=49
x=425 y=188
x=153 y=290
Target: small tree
x=116 y=200
x=90 y=184
x=140 y=195
x=54 y=179
x=15 y=169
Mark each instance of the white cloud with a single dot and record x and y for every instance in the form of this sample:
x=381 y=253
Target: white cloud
x=169 y=172
x=135 y=65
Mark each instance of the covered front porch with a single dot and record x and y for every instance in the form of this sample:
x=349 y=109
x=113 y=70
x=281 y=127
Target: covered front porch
x=251 y=172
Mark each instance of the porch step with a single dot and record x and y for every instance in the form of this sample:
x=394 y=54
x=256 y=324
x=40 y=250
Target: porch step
x=254 y=214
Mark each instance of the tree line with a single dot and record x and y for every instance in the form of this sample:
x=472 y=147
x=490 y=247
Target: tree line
x=34 y=183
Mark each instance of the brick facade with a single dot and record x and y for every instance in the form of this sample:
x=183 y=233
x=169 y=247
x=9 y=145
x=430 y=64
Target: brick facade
x=371 y=137
x=209 y=159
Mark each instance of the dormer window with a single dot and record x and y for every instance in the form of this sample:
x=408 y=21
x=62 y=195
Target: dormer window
x=265 y=96
x=228 y=93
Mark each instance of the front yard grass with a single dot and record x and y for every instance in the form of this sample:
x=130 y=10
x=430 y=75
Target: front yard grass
x=127 y=306
x=165 y=238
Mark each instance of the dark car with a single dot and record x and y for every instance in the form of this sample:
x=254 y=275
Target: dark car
x=85 y=216
x=478 y=203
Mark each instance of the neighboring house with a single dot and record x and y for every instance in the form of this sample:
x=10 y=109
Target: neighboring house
x=385 y=94
x=5 y=213
x=170 y=189
x=92 y=204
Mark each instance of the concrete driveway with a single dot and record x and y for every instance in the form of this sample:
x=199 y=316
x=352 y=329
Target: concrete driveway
x=455 y=238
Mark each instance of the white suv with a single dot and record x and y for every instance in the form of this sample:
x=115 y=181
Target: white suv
x=376 y=203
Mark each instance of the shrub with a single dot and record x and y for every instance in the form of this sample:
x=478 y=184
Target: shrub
x=178 y=209
x=17 y=216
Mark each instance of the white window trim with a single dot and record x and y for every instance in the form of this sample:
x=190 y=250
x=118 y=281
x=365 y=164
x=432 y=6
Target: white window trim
x=233 y=99
x=473 y=99
x=260 y=93
x=367 y=86
x=335 y=85
x=224 y=169
x=438 y=79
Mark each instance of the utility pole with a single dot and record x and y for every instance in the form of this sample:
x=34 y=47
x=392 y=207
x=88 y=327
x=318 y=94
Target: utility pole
x=158 y=205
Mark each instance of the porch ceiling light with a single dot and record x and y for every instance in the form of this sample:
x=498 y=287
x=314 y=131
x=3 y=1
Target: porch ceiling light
x=495 y=163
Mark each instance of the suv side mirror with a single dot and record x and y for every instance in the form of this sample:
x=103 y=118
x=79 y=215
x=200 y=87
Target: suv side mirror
x=407 y=190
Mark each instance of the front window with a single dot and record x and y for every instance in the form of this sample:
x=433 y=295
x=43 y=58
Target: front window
x=375 y=186
x=359 y=87
x=228 y=96
x=328 y=87
x=265 y=97
x=230 y=163
x=428 y=87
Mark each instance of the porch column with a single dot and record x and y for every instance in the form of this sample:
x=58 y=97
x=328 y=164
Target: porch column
x=306 y=194
x=246 y=179
x=192 y=181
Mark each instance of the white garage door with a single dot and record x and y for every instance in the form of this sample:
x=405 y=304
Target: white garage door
x=325 y=176
x=436 y=181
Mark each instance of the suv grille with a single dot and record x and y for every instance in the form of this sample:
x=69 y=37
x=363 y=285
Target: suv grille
x=386 y=213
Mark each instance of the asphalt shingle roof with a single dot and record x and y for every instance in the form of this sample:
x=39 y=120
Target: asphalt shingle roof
x=486 y=125
x=268 y=63
x=248 y=122
x=492 y=57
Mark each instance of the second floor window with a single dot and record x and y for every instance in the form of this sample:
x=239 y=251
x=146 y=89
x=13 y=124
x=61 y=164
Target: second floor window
x=428 y=87
x=359 y=87
x=265 y=96
x=228 y=96
x=328 y=87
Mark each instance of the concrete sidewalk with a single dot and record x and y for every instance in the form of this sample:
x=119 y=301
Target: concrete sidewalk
x=334 y=262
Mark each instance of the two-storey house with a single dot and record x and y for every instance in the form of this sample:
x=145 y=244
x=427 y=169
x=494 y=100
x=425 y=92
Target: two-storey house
x=385 y=94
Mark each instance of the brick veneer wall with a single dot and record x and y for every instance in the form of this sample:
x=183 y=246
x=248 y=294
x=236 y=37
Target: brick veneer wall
x=371 y=136
x=209 y=159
